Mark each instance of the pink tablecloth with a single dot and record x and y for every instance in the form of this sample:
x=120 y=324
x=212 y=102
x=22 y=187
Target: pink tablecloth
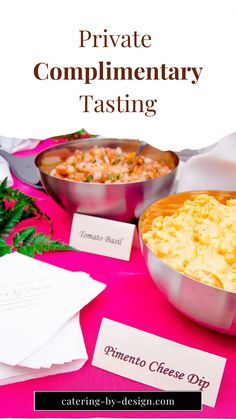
x=131 y=298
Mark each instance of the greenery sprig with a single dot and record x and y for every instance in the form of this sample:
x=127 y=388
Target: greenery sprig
x=15 y=207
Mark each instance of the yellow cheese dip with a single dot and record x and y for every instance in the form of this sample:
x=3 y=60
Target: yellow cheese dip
x=199 y=240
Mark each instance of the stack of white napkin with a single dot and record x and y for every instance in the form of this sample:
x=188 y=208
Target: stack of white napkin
x=39 y=318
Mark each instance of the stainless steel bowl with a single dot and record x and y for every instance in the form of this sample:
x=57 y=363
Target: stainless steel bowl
x=123 y=201
x=212 y=307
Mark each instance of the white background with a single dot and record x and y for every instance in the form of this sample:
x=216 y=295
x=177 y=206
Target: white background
x=184 y=33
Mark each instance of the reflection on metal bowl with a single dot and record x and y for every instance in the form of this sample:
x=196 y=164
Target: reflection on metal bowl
x=212 y=307
x=119 y=201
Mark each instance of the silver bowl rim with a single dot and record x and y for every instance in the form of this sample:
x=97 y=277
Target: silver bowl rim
x=168 y=266
x=102 y=184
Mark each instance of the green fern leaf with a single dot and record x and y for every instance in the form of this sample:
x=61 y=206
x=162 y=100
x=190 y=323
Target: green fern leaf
x=56 y=245
x=2 y=241
x=46 y=248
x=2 y=210
x=5 y=249
x=12 y=218
x=24 y=236
x=38 y=238
x=15 y=207
x=3 y=185
x=28 y=250
x=27 y=214
x=39 y=248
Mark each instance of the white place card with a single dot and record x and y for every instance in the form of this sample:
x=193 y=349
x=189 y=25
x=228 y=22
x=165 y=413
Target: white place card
x=157 y=362
x=103 y=237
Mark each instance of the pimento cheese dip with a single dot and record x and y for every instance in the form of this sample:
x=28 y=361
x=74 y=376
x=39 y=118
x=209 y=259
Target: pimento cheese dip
x=199 y=240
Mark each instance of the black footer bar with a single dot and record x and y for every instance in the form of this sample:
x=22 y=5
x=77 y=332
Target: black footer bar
x=117 y=401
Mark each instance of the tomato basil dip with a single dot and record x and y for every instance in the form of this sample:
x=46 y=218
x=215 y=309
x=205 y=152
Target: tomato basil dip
x=109 y=165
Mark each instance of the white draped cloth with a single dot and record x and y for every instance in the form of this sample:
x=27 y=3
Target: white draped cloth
x=213 y=170
x=12 y=145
